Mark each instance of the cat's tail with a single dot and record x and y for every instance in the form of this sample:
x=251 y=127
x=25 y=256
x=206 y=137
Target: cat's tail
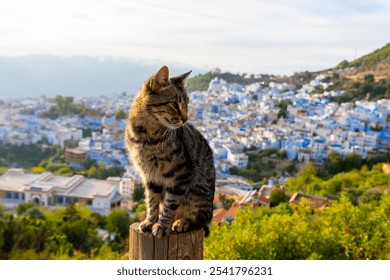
x=206 y=230
x=196 y=226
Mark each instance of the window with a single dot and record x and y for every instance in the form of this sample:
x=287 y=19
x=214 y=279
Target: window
x=60 y=200
x=8 y=195
x=89 y=202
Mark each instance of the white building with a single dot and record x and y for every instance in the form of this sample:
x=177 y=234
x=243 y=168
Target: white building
x=240 y=160
x=47 y=189
x=126 y=188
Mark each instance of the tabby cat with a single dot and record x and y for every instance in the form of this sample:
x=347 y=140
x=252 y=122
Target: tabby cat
x=174 y=159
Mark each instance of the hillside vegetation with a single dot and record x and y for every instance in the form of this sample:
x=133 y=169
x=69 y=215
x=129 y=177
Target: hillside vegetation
x=342 y=231
x=367 y=77
x=37 y=233
x=201 y=82
x=374 y=58
x=355 y=225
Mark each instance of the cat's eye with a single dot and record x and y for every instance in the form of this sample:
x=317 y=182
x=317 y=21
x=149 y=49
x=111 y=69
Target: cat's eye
x=176 y=106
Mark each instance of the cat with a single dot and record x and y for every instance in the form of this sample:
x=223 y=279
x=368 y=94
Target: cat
x=175 y=161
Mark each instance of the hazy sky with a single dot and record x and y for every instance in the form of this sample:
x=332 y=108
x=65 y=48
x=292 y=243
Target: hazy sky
x=257 y=36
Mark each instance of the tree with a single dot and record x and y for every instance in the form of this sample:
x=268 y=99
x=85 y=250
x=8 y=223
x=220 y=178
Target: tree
x=138 y=193
x=22 y=208
x=308 y=169
x=91 y=171
x=370 y=197
x=100 y=171
x=335 y=76
x=283 y=154
x=277 y=196
x=334 y=162
x=35 y=213
x=37 y=169
x=79 y=228
x=352 y=161
x=306 y=180
x=140 y=212
x=63 y=233
x=343 y=64
x=387 y=95
x=64 y=106
x=3 y=170
x=228 y=203
x=290 y=168
x=369 y=78
x=366 y=88
x=283 y=108
x=118 y=222
x=65 y=171
x=120 y=115
x=379 y=90
x=80 y=234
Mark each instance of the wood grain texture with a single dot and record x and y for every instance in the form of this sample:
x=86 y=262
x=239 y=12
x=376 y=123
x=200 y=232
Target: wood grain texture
x=175 y=246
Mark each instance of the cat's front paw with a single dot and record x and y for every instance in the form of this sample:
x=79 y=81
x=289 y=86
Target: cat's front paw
x=180 y=225
x=160 y=230
x=146 y=226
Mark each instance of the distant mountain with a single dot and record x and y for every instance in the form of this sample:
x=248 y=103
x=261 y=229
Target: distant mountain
x=49 y=75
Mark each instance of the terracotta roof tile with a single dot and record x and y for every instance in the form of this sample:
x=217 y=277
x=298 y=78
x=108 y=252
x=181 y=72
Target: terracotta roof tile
x=218 y=215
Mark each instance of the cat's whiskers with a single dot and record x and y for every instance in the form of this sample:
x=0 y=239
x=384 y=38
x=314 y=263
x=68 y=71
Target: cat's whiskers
x=188 y=128
x=160 y=132
x=161 y=135
x=167 y=136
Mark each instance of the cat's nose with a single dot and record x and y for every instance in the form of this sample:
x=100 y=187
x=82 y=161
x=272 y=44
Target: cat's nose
x=184 y=118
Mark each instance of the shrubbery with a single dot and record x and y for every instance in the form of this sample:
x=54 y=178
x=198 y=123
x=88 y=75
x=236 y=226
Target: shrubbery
x=341 y=231
x=64 y=233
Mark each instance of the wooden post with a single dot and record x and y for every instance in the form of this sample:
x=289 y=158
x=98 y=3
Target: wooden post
x=175 y=246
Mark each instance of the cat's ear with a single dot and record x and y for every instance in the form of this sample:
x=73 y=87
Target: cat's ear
x=181 y=80
x=159 y=79
x=184 y=78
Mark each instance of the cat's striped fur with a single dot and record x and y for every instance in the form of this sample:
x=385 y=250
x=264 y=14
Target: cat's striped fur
x=175 y=160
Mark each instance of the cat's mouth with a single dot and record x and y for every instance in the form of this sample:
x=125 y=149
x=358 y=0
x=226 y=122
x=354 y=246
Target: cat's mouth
x=174 y=123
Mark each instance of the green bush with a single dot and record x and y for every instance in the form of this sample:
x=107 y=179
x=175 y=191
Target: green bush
x=341 y=231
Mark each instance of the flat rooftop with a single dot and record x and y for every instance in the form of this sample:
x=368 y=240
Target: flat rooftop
x=75 y=186
x=16 y=182
x=58 y=181
x=90 y=188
